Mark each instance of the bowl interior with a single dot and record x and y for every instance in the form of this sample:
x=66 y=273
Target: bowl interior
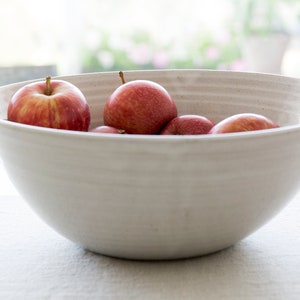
x=214 y=94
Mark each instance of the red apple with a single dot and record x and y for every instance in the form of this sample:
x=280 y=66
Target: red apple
x=139 y=107
x=107 y=129
x=243 y=122
x=50 y=103
x=188 y=124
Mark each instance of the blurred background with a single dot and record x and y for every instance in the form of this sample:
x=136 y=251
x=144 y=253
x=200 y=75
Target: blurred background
x=63 y=37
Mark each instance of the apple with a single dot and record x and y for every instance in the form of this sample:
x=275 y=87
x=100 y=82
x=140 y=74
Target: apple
x=139 y=107
x=188 y=124
x=107 y=129
x=243 y=122
x=50 y=103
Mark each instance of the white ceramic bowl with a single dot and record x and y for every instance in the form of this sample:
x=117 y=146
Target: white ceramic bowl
x=162 y=197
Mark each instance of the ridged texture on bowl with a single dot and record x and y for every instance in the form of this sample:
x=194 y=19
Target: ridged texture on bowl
x=154 y=197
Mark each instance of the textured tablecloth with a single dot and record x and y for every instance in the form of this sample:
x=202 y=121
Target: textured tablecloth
x=38 y=263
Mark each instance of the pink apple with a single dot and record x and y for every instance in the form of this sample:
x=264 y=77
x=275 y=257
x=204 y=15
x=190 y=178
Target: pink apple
x=50 y=103
x=107 y=129
x=139 y=107
x=188 y=124
x=243 y=122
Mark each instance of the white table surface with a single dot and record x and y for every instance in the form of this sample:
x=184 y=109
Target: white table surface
x=38 y=263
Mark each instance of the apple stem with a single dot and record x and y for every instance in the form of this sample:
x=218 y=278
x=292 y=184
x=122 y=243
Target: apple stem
x=121 y=74
x=48 y=86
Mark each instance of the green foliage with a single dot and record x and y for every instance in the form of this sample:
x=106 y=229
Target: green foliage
x=141 y=50
x=263 y=17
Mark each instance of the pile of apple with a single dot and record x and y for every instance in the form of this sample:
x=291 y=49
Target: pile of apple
x=135 y=107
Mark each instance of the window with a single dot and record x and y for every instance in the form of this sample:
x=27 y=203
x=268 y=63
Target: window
x=90 y=35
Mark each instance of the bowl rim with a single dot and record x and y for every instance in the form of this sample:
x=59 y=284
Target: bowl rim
x=253 y=74
x=249 y=74
x=32 y=129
